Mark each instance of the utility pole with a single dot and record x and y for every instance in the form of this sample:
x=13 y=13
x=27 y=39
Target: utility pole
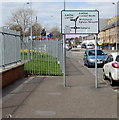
x=30 y=3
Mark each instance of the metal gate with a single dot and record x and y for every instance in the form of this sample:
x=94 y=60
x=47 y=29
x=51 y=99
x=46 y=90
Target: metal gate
x=42 y=57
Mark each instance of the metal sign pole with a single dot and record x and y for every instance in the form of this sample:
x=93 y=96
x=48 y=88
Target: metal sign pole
x=96 y=72
x=67 y=19
x=64 y=61
x=64 y=56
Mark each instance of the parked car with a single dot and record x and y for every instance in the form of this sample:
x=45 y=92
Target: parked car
x=111 y=68
x=89 y=57
x=78 y=46
x=68 y=47
x=83 y=45
x=89 y=46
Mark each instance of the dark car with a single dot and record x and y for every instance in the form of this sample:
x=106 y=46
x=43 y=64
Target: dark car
x=83 y=46
x=89 y=57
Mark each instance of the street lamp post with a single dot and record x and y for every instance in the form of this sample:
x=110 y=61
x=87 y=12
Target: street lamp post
x=115 y=25
x=30 y=3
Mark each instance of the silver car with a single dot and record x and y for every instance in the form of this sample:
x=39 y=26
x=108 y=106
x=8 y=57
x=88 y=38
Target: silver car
x=89 y=46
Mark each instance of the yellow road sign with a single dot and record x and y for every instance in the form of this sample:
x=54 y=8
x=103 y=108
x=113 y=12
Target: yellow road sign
x=100 y=42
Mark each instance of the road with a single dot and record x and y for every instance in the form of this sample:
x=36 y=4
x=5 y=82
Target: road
x=78 y=55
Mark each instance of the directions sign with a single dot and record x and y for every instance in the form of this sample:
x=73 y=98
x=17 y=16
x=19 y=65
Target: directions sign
x=79 y=21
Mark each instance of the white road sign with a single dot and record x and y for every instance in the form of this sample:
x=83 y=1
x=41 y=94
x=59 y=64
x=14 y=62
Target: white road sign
x=79 y=21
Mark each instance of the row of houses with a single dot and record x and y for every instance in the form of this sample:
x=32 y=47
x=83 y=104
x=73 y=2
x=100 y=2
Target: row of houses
x=108 y=32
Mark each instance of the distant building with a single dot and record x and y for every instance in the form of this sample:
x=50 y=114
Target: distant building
x=89 y=37
x=102 y=23
x=110 y=32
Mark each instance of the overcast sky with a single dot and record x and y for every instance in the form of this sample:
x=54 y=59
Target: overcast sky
x=49 y=11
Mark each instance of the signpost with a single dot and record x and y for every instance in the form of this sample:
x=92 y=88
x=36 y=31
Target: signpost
x=80 y=22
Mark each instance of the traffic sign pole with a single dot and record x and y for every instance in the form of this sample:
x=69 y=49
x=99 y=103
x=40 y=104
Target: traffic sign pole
x=64 y=60
x=64 y=57
x=96 y=71
x=79 y=22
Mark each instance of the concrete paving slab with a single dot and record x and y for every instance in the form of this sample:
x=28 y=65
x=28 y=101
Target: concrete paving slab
x=80 y=99
x=51 y=100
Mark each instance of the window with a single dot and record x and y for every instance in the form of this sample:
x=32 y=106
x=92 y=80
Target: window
x=117 y=58
x=92 y=52
x=109 y=59
x=99 y=52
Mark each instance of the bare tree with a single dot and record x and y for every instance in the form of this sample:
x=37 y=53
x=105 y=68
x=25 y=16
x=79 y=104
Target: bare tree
x=36 y=29
x=56 y=33
x=20 y=20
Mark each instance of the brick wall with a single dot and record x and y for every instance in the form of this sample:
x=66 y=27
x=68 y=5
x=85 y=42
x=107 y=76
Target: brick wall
x=11 y=75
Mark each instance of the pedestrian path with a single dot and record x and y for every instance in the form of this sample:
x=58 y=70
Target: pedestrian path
x=46 y=97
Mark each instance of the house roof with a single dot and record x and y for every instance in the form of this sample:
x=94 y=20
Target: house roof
x=114 y=24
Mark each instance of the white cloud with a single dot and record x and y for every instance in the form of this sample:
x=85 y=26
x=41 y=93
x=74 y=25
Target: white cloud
x=49 y=13
x=105 y=9
x=1 y=14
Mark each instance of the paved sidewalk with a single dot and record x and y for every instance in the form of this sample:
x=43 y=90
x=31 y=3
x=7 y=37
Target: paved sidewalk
x=46 y=97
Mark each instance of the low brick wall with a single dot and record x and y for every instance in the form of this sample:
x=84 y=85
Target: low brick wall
x=11 y=75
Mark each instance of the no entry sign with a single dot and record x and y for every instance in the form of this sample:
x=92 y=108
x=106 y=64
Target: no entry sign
x=79 y=21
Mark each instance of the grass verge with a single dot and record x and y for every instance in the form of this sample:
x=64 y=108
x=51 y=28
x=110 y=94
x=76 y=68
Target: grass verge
x=42 y=64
